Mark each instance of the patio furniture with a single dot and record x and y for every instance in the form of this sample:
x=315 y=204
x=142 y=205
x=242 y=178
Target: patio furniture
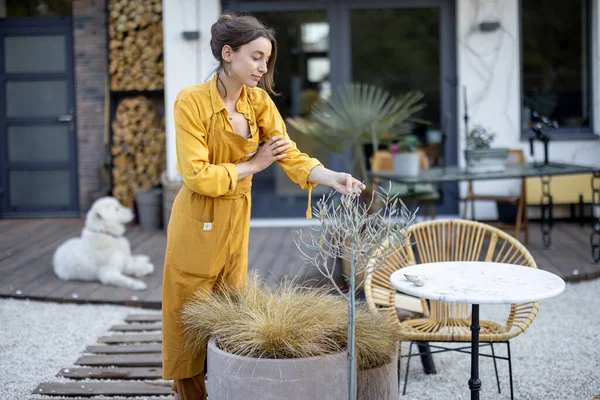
x=452 y=240
x=478 y=283
x=521 y=221
x=423 y=194
x=530 y=169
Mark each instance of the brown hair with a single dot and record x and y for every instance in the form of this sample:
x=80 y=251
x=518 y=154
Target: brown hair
x=236 y=31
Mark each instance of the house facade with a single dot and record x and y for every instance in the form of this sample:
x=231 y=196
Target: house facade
x=493 y=61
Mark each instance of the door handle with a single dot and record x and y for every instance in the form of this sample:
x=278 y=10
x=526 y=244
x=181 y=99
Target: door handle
x=65 y=118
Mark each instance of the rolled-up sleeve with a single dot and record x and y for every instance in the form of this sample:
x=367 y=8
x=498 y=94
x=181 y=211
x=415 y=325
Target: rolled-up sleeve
x=198 y=174
x=297 y=165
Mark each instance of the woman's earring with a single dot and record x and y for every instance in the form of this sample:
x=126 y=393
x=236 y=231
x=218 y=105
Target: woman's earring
x=229 y=73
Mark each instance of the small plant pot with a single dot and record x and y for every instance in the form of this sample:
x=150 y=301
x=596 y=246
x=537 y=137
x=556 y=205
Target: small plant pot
x=486 y=160
x=406 y=164
x=232 y=377
x=149 y=209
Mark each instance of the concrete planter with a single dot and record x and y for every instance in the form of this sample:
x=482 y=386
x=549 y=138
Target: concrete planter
x=486 y=160
x=232 y=377
x=379 y=383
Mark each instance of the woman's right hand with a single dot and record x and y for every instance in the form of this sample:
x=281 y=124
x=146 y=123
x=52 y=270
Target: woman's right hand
x=271 y=151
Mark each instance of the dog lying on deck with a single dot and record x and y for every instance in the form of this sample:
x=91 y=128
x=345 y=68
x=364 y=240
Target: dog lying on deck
x=102 y=253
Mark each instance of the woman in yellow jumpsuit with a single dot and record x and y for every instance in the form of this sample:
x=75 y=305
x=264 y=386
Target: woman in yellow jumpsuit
x=219 y=126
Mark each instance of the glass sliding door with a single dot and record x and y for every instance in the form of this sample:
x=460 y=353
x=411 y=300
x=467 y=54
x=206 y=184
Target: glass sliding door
x=401 y=48
x=400 y=45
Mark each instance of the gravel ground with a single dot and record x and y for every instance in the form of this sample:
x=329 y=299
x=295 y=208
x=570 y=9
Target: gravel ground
x=37 y=339
x=558 y=357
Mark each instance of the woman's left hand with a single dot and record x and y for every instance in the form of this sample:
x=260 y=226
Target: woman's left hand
x=345 y=184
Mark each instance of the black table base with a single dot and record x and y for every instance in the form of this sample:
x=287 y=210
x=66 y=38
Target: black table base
x=595 y=236
x=475 y=382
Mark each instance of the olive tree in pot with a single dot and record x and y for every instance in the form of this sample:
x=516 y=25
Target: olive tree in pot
x=349 y=230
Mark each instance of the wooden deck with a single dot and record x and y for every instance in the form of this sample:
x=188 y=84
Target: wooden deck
x=27 y=245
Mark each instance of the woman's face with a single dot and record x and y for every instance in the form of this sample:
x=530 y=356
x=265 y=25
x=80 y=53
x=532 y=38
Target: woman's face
x=249 y=63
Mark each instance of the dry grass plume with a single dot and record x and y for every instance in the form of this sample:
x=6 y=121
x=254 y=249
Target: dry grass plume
x=287 y=321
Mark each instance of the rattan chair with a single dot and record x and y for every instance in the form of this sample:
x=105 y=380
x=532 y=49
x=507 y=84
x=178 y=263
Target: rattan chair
x=452 y=240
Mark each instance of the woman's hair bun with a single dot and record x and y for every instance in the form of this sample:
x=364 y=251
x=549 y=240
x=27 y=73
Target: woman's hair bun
x=226 y=17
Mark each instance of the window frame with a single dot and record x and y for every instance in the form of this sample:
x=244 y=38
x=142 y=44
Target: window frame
x=567 y=133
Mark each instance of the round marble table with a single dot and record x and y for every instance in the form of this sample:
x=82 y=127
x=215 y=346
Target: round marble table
x=478 y=283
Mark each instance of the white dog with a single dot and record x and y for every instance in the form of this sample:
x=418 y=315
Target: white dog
x=102 y=253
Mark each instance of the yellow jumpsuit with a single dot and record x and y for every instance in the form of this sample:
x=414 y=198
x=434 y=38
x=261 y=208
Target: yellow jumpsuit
x=207 y=237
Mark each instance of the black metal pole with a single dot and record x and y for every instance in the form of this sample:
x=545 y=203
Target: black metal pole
x=426 y=358
x=466 y=115
x=474 y=382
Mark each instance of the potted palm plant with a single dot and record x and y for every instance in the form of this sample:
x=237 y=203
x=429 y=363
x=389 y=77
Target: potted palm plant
x=358 y=114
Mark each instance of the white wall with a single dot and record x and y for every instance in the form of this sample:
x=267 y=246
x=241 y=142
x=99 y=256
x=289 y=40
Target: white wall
x=187 y=62
x=489 y=67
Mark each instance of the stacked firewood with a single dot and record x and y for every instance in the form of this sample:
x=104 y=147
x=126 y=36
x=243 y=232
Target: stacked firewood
x=136 y=45
x=138 y=147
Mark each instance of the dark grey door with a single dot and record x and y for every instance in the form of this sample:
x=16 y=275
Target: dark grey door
x=405 y=45
x=38 y=164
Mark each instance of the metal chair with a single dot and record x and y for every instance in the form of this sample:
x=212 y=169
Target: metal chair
x=452 y=240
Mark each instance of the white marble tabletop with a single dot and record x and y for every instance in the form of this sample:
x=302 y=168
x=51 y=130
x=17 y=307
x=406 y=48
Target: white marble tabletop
x=479 y=282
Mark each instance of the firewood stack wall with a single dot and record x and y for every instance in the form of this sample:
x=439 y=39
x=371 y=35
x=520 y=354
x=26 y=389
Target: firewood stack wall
x=136 y=83
x=136 y=45
x=138 y=148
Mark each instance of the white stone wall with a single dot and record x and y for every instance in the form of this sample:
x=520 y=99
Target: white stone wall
x=489 y=67
x=187 y=62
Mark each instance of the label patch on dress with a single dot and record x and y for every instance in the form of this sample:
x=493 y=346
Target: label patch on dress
x=207 y=226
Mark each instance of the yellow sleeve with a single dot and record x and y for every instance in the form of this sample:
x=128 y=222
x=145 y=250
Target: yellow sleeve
x=297 y=165
x=192 y=156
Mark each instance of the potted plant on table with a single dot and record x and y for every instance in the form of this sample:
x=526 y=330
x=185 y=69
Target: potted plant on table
x=480 y=156
x=405 y=155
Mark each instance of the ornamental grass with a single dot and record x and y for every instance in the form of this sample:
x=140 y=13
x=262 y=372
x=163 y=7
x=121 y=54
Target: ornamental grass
x=285 y=321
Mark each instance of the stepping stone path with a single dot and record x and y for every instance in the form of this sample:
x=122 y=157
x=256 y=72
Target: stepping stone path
x=125 y=364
